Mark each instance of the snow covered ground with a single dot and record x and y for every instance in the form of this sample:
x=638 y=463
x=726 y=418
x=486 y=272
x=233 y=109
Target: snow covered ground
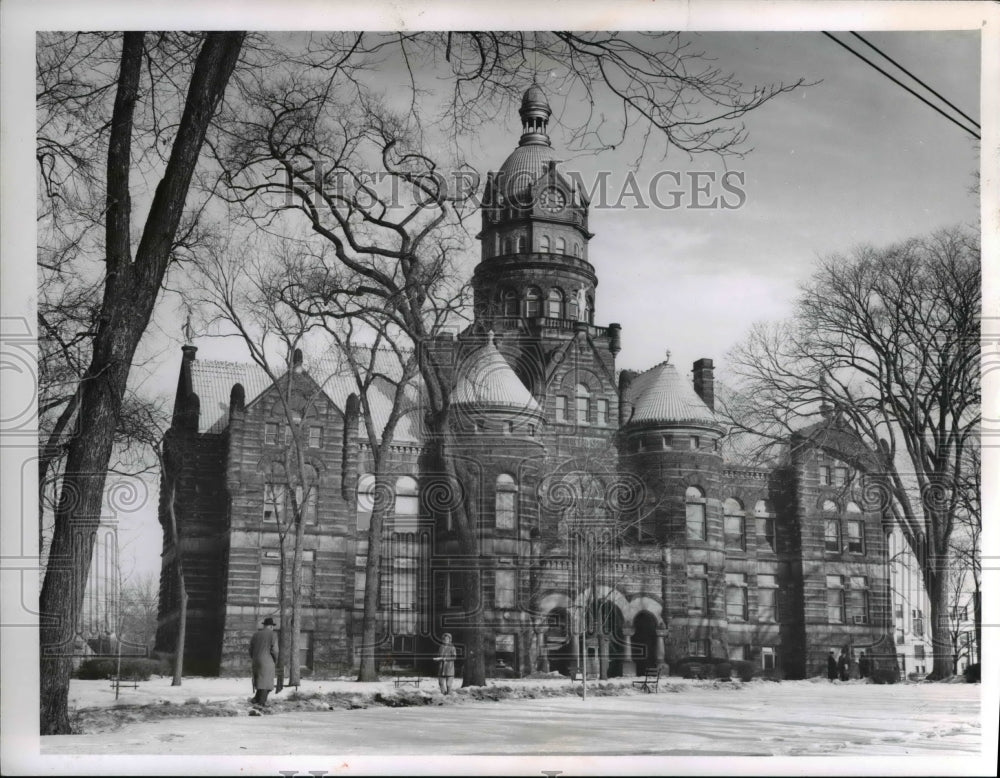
x=915 y=724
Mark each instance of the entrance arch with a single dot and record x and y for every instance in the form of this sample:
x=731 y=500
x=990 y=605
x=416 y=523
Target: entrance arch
x=644 y=642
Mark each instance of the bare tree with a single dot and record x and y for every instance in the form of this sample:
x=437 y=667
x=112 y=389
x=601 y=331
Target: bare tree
x=132 y=280
x=890 y=339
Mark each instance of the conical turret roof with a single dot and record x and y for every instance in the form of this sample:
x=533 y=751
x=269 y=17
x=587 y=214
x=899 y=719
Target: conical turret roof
x=662 y=394
x=487 y=381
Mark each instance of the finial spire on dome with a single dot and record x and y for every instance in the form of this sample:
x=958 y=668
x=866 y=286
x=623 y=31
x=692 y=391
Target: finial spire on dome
x=535 y=112
x=489 y=337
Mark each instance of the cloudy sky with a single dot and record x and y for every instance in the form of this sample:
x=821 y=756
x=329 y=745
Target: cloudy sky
x=849 y=159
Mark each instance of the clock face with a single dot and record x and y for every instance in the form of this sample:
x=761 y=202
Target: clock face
x=552 y=200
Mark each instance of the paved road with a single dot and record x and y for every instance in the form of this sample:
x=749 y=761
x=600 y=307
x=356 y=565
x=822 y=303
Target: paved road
x=770 y=719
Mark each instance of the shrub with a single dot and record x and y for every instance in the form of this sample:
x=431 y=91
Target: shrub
x=885 y=674
x=744 y=670
x=723 y=671
x=132 y=668
x=972 y=673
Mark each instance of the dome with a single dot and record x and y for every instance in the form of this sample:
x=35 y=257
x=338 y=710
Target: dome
x=534 y=97
x=487 y=381
x=661 y=394
x=521 y=170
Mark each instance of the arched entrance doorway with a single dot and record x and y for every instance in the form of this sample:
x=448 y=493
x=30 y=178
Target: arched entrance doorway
x=605 y=640
x=644 y=642
x=558 y=643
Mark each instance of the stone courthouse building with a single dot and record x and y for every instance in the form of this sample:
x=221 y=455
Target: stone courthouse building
x=617 y=520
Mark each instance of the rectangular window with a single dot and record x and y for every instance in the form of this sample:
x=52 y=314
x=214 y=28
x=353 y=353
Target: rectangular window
x=602 y=411
x=698 y=648
x=918 y=627
x=506 y=581
x=767 y=599
x=835 y=599
x=767 y=661
x=271 y=434
x=857 y=600
x=309 y=508
x=831 y=535
x=695 y=518
x=274 y=502
x=504 y=650
x=918 y=652
x=839 y=476
x=359 y=581
x=270 y=575
x=765 y=531
x=741 y=652
x=734 y=530
x=824 y=475
x=308 y=572
x=582 y=410
x=561 y=408
x=315 y=437
x=306 y=649
x=456 y=590
x=855 y=537
x=736 y=596
x=698 y=595
x=695 y=443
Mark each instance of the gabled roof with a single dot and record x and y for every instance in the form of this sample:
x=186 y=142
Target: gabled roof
x=662 y=394
x=487 y=381
x=213 y=381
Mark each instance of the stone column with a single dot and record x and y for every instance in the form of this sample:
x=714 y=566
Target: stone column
x=603 y=644
x=543 y=649
x=661 y=634
x=628 y=666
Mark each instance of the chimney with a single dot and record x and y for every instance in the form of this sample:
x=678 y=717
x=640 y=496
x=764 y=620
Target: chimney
x=704 y=381
x=614 y=338
x=625 y=379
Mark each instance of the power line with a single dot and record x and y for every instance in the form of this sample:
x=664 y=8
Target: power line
x=860 y=56
x=941 y=97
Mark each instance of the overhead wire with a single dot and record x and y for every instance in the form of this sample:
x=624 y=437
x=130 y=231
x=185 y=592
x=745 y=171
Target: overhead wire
x=895 y=80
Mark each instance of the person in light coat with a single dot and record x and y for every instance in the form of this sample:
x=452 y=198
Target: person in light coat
x=263 y=655
x=446 y=670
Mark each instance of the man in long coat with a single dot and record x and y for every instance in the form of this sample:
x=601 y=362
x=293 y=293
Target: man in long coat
x=446 y=670
x=263 y=654
x=831 y=666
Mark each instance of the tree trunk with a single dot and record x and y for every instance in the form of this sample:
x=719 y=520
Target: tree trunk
x=294 y=668
x=938 y=591
x=373 y=565
x=279 y=669
x=131 y=289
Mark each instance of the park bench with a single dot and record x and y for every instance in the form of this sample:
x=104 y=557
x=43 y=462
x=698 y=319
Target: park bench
x=405 y=680
x=122 y=682
x=650 y=682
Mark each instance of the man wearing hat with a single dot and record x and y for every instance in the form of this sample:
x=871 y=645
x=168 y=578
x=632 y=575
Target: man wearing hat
x=263 y=654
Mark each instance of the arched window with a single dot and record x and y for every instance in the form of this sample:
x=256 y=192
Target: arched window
x=560 y=245
x=407 y=510
x=590 y=310
x=764 y=513
x=366 y=500
x=763 y=508
x=582 y=404
x=734 y=524
x=532 y=302
x=506 y=502
x=508 y=302
x=543 y=244
x=829 y=506
x=853 y=507
x=555 y=306
x=507 y=246
x=694 y=511
x=520 y=244
x=576 y=250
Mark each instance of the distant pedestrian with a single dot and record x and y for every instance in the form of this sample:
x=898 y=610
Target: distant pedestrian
x=844 y=665
x=864 y=665
x=831 y=667
x=446 y=670
x=263 y=655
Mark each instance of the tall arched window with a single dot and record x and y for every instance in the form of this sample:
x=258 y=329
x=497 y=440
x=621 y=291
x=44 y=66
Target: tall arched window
x=555 y=304
x=508 y=302
x=507 y=246
x=694 y=513
x=543 y=244
x=532 y=302
x=407 y=510
x=560 y=245
x=576 y=250
x=506 y=502
x=589 y=317
x=764 y=517
x=520 y=244
x=582 y=404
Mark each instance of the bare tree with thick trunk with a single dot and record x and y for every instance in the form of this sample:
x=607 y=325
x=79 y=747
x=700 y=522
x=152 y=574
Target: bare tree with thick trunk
x=132 y=282
x=889 y=339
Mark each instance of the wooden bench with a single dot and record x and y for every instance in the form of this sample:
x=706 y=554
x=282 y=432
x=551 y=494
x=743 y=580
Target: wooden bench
x=402 y=680
x=650 y=682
